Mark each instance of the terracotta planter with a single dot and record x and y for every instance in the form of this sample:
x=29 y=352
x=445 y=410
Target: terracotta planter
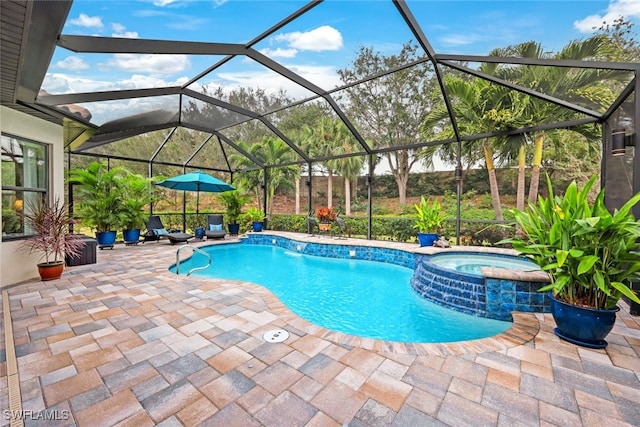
x=50 y=270
x=325 y=226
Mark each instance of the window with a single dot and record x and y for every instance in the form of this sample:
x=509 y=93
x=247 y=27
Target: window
x=24 y=179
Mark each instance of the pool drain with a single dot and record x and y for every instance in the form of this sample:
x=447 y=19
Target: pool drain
x=276 y=335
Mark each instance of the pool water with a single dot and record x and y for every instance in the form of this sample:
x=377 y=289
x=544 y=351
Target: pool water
x=363 y=298
x=473 y=262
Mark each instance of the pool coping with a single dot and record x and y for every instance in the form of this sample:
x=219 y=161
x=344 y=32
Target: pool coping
x=524 y=328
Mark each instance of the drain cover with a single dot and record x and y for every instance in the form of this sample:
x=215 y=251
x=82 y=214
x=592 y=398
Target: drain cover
x=276 y=335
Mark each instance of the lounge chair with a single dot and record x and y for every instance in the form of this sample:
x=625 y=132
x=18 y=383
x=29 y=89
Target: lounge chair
x=156 y=231
x=215 y=227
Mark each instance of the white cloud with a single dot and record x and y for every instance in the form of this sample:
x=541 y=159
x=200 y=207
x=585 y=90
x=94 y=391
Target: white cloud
x=120 y=30
x=102 y=112
x=317 y=40
x=322 y=76
x=616 y=9
x=85 y=20
x=148 y=63
x=162 y=3
x=71 y=63
x=279 y=53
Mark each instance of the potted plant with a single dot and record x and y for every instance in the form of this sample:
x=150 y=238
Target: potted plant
x=590 y=254
x=100 y=193
x=49 y=229
x=137 y=192
x=326 y=216
x=233 y=202
x=256 y=217
x=428 y=220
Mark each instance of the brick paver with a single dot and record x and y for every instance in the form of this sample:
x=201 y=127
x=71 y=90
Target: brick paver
x=125 y=342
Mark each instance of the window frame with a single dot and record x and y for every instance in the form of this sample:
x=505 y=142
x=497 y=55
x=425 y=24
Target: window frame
x=44 y=192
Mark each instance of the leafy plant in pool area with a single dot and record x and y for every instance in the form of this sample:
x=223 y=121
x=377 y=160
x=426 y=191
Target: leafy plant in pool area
x=429 y=217
x=590 y=254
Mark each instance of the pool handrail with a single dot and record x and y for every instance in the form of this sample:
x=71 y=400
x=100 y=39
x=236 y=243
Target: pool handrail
x=194 y=249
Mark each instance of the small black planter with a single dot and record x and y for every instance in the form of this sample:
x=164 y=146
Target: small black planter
x=587 y=327
x=234 y=229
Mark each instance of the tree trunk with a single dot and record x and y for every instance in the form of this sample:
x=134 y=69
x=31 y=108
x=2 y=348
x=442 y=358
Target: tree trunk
x=521 y=178
x=298 y=196
x=535 y=172
x=330 y=188
x=401 y=180
x=347 y=196
x=355 y=188
x=493 y=183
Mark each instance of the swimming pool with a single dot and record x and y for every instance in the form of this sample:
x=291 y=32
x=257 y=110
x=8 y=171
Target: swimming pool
x=358 y=297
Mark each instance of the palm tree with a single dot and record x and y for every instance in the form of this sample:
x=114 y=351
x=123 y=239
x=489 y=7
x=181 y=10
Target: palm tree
x=323 y=139
x=585 y=87
x=349 y=168
x=477 y=105
x=271 y=151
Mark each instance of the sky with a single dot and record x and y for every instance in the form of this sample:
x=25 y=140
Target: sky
x=314 y=46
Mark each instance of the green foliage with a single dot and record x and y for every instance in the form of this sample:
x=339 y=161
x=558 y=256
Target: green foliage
x=294 y=223
x=233 y=201
x=254 y=214
x=590 y=254
x=428 y=217
x=10 y=222
x=137 y=192
x=100 y=193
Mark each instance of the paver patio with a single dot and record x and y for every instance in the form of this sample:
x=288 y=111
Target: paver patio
x=125 y=342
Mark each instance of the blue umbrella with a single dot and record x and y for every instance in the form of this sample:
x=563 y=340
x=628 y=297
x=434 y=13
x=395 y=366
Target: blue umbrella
x=196 y=181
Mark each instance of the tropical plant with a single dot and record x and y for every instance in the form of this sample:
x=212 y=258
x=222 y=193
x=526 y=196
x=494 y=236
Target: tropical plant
x=590 y=254
x=428 y=217
x=100 y=193
x=584 y=87
x=49 y=227
x=254 y=214
x=233 y=202
x=326 y=214
x=270 y=152
x=137 y=192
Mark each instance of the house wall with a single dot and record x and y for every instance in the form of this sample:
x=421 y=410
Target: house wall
x=16 y=265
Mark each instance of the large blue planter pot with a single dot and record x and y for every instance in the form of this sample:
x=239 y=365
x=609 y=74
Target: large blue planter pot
x=106 y=239
x=130 y=236
x=257 y=226
x=587 y=327
x=427 y=239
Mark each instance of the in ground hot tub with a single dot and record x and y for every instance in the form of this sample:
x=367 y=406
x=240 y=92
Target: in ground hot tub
x=480 y=283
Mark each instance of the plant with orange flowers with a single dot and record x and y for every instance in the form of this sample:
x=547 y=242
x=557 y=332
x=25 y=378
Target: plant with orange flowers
x=326 y=214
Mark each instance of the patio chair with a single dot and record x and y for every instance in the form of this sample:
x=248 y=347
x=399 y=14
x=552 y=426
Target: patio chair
x=156 y=231
x=215 y=227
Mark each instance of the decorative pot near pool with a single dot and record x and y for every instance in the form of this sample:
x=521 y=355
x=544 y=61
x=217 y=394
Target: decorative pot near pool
x=106 y=238
x=131 y=236
x=427 y=239
x=587 y=327
x=234 y=229
x=257 y=225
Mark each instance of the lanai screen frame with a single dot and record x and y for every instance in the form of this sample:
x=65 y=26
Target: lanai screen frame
x=89 y=135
